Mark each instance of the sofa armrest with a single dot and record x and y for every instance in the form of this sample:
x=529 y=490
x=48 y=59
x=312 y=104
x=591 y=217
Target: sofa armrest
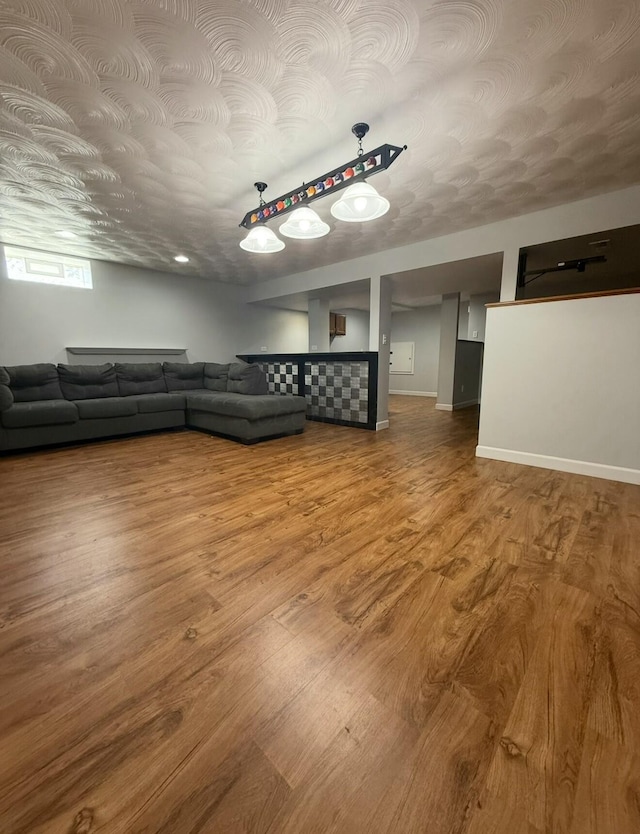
x=6 y=394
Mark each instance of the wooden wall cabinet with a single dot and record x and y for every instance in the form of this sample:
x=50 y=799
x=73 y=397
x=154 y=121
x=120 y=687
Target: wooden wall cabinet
x=337 y=324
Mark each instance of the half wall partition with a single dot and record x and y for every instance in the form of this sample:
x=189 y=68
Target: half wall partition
x=340 y=388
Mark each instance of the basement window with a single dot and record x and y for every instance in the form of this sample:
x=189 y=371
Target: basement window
x=47 y=268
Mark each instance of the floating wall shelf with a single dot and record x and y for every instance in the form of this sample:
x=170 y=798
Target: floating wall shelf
x=102 y=351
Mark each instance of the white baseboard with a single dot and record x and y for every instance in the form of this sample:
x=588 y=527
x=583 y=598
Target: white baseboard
x=415 y=393
x=456 y=406
x=577 y=467
x=382 y=424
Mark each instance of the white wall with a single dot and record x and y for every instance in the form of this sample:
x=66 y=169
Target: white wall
x=357 y=337
x=560 y=386
x=421 y=326
x=130 y=307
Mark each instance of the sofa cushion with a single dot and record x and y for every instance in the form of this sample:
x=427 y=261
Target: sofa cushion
x=39 y=413
x=30 y=383
x=183 y=376
x=240 y=405
x=88 y=382
x=246 y=379
x=6 y=395
x=102 y=407
x=215 y=376
x=140 y=378
x=154 y=403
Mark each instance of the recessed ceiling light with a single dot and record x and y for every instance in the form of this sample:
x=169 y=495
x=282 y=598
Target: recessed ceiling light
x=65 y=233
x=182 y=259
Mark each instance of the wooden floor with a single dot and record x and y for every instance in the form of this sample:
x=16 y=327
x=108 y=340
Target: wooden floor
x=338 y=632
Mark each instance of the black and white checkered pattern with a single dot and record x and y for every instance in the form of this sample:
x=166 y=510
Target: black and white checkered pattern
x=338 y=390
x=282 y=377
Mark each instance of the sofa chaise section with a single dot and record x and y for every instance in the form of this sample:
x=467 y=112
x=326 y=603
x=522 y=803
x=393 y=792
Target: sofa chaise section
x=235 y=403
x=245 y=417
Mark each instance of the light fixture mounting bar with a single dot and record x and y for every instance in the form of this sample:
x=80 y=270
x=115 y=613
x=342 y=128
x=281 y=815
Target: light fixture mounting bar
x=361 y=167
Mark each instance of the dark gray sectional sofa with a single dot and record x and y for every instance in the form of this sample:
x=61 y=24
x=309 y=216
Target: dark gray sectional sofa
x=43 y=404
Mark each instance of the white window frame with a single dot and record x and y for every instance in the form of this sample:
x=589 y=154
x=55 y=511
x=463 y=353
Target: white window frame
x=47 y=268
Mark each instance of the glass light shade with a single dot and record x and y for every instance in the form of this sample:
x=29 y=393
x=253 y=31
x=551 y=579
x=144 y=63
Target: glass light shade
x=262 y=241
x=360 y=202
x=304 y=224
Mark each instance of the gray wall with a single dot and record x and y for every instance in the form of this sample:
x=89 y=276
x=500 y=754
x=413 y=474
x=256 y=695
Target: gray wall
x=448 y=349
x=130 y=307
x=380 y=340
x=466 y=383
x=357 y=337
x=463 y=319
x=606 y=211
x=478 y=315
x=421 y=326
x=318 y=320
x=280 y=331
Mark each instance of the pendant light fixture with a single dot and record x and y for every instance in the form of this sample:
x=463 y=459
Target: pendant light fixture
x=360 y=201
x=262 y=240
x=304 y=224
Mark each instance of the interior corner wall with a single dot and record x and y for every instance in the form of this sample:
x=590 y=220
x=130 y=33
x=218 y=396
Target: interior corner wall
x=357 y=337
x=478 y=315
x=422 y=327
x=560 y=386
x=131 y=307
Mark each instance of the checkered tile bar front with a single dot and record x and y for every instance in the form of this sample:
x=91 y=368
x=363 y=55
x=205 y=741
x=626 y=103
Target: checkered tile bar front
x=282 y=377
x=337 y=390
x=338 y=387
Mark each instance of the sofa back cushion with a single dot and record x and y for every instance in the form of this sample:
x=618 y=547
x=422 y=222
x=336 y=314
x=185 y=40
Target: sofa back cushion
x=183 y=376
x=247 y=379
x=29 y=383
x=140 y=378
x=6 y=395
x=88 y=382
x=215 y=376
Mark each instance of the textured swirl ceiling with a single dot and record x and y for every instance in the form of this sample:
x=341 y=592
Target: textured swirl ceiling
x=141 y=125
